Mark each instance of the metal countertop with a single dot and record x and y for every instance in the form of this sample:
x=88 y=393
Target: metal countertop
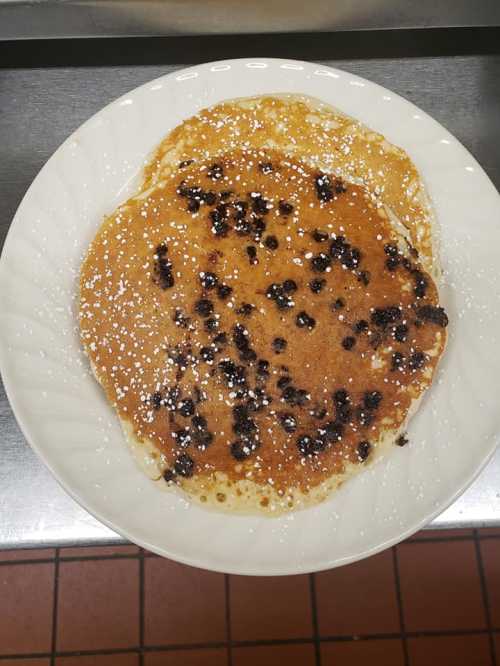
x=41 y=106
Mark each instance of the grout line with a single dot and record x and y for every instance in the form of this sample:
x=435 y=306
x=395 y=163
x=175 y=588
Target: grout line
x=400 y=606
x=141 y=607
x=221 y=644
x=315 y=625
x=484 y=594
x=62 y=558
x=55 y=609
x=227 y=594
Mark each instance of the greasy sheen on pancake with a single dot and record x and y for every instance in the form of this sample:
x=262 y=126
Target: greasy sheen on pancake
x=263 y=315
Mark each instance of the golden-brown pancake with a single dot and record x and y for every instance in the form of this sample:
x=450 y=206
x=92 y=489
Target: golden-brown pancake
x=263 y=315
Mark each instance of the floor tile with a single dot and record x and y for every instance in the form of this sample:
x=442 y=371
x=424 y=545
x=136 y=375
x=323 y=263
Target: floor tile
x=98 y=605
x=99 y=551
x=471 y=650
x=100 y=660
x=267 y=608
x=183 y=604
x=208 y=657
x=490 y=531
x=27 y=554
x=440 y=586
x=442 y=534
x=275 y=655
x=380 y=652
x=26 y=603
x=490 y=552
x=359 y=598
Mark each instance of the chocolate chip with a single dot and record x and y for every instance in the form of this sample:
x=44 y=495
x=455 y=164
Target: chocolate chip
x=310 y=446
x=258 y=227
x=320 y=262
x=279 y=345
x=208 y=280
x=402 y=440
x=156 y=400
x=180 y=318
x=245 y=309
x=416 y=361
x=271 y=242
x=338 y=246
x=242 y=448
x=251 y=251
x=241 y=208
x=343 y=413
x=338 y=304
x=209 y=198
x=361 y=326
x=223 y=291
x=397 y=361
x=433 y=314
x=283 y=381
x=211 y=324
x=364 y=277
x=303 y=320
x=285 y=208
x=263 y=367
x=348 y=342
x=364 y=416
x=341 y=397
x=233 y=374
x=185 y=163
x=244 y=427
x=383 y=316
x=204 y=307
x=259 y=205
x=363 y=450
x=182 y=437
x=207 y=354
x=391 y=263
x=248 y=355
x=220 y=339
x=169 y=475
x=184 y=465
x=240 y=337
x=266 y=167
x=324 y=189
x=421 y=283
x=332 y=431
x=186 y=407
x=391 y=249
x=351 y=258
x=372 y=399
x=172 y=398
x=317 y=285
x=320 y=236
x=203 y=439
x=216 y=172
x=288 y=422
x=289 y=286
x=401 y=332
x=193 y=205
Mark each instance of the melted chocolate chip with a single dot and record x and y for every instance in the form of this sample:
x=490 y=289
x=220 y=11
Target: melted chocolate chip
x=320 y=262
x=220 y=340
x=216 y=172
x=156 y=400
x=258 y=228
x=186 y=407
x=320 y=236
x=285 y=208
x=223 y=291
x=208 y=280
x=240 y=208
x=397 y=361
x=363 y=450
x=421 y=283
x=211 y=324
x=169 y=475
x=259 y=205
x=351 y=258
x=416 y=361
x=338 y=246
x=361 y=326
x=401 y=332
x=402 y=440
x=182 y=437
x=303 y=320
x=251 y=251
x=184 y=465
x=204 y=307
x=233 y=374
x=245 y=309
x=382 y=317
x=372 y=399
x=193 y=205
x=333 y=431
x=207 y=354
x=324 y=189
x=391 y=263
x=289 y=286
x=283 y=381
x=288 y=422
x=244 y=427
x=364 y=277
x=279 y=345
x=348 y=342
x=338 y=304
x=209 y=198
x=172 y=398
x=242 y=448
x=271 y=242
x=266 y=167
x=263 y=367
x=180 y=318
x=310 y=446
x=185 y=163
x=317 y=285
x=343 y=413
x=341 y=397
x=248 y=355
x=391 y=249
x=364 y=416
x=433 y=314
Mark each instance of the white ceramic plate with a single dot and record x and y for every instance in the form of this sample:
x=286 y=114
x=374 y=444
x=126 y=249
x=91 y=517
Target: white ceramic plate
x=62 y=410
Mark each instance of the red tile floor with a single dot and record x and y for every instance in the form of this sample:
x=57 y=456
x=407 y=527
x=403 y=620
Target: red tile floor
x=433 y=600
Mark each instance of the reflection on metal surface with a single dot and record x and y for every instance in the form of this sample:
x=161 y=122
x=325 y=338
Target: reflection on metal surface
x=23 y=19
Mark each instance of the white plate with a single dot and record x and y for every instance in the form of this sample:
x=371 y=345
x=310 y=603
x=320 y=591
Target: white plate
x=62 y=410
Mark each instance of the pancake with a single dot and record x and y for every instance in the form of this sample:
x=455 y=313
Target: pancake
x=263 y=315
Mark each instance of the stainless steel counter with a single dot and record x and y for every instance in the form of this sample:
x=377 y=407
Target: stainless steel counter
x=40 y=106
